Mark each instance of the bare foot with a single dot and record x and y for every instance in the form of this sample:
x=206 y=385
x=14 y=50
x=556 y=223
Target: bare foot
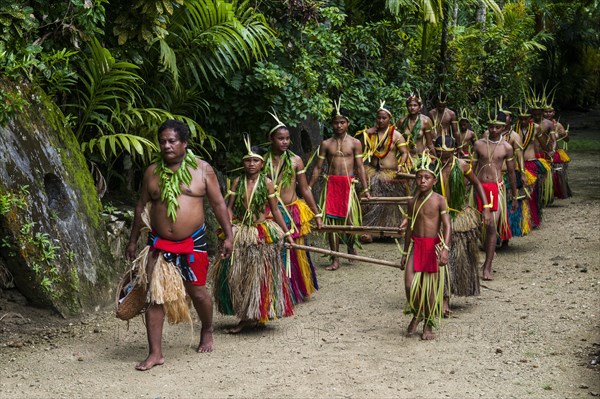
x=412 y=326
x=427 y=333
x=366 y=239
x=241 y=326
x=487 y=273
x=352 y=251
x=150 y=362
x=206 y=341
x=446 y=308
x=334 y=266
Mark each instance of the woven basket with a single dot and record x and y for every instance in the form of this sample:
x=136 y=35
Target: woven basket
x=131 y=296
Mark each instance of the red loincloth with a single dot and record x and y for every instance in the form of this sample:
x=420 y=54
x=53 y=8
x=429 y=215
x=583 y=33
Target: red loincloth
x=424 y=256
x=489 y=189
x=197 y=259
x=338 y=196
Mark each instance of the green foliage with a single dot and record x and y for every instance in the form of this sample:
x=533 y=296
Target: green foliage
x=209 y=38
x=143 y=21
x=11 y=103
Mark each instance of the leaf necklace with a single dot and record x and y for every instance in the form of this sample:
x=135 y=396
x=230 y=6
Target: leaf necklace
x=170 y=181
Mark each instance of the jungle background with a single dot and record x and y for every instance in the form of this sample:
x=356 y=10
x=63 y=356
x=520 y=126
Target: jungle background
x=111 y=71
x=117 y=69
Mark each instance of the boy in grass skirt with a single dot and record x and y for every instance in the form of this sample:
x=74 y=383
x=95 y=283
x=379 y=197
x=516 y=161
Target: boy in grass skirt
x=426 y=251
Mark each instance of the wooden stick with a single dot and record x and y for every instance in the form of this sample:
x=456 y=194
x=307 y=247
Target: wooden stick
x=405 y=175
x=391 y=231
x=386 y=200
x=343 y=255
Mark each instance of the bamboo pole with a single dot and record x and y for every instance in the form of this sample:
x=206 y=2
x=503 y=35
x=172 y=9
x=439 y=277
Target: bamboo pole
x=373 y=230
x=386 y=200
x=405 y=175
x=343 y=255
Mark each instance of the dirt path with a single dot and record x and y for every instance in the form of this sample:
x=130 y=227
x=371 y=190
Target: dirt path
x=532 y=333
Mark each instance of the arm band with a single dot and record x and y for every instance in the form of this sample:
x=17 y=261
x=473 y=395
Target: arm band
x=470 y=169
x=287 y=233
x=366 y=190
x=510 y=159
x=229 y=192
x=320 y=156
x=272 y=195
x=301 y=172
x=318 y=215
x=401 y=144
x=427 y=130
x=443 y=211
x=488 y=206
x=359 y=155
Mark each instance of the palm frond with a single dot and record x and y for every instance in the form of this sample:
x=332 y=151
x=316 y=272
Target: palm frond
x=121 y=142
x=106 y=84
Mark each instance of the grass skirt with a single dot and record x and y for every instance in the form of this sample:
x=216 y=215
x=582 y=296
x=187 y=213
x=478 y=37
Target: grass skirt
x=463 y=260
x=559 y=175
x=354 y=217
x=303 y=277
x=251 y=284
x=165 y=284
x=519 y=220
x=534 y=171
x=384 y=183
x=423 y=287
x=547 y=186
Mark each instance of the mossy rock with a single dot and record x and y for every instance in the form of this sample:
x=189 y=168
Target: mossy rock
x=54 y=242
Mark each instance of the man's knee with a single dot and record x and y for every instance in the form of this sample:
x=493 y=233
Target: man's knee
x=198 y=293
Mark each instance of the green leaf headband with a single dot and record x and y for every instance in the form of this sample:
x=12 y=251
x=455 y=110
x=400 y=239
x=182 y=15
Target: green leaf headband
x=493 y=118
x=382 y=108
x=338 y=107
x=250 y=153
x=501 y=107
x=427 y=162
x=279 y=123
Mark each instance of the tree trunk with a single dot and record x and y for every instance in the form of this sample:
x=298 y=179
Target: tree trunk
x=481 y=14
x=455 y=14
x=441 y=72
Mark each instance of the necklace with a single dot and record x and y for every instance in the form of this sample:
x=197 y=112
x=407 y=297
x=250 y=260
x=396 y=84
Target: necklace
x=170 y=181
x=340 y=143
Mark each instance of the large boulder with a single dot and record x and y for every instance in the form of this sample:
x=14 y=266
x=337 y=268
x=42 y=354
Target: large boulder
x=52 y=236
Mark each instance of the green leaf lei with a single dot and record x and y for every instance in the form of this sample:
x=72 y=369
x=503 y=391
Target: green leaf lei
x=258 y=200
x=414 y=133
x=170 y=181
x=285 y=168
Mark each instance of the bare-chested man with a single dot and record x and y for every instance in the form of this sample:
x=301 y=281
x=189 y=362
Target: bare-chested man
x=183 y=181
x=560 y=159
x=443 y=118
x=465 y=139
x=339 y=202
x=520 y=222
x=385 y=155
x=527 y=131
x=416 y=127
x=489 y=155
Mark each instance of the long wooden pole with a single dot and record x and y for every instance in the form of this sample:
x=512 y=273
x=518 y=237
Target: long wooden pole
x=343 y=255
x=387 y=200
x=373 y=230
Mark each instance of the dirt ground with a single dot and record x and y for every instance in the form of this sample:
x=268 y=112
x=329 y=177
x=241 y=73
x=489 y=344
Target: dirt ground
x=533 y=332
